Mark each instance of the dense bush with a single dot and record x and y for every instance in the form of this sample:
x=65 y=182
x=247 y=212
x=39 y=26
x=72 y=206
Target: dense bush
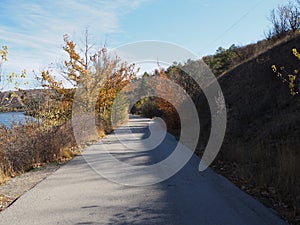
x=24 y=147
x=222 y=60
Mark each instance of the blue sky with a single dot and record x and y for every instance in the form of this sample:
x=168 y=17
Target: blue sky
x=33 y=30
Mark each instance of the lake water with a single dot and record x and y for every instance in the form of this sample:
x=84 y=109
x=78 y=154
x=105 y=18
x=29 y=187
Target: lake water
x=7 y=118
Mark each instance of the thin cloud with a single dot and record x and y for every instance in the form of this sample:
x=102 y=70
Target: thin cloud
x=33 y=30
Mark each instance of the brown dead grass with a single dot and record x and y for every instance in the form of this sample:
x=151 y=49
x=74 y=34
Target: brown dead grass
x=29 y=146
x=261 y=150
x=23 y=147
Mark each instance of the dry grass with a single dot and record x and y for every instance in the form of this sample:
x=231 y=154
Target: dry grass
x=25 y=147
x=268 y=170
x=22 y=148
x=261 y=149
x=260 y=153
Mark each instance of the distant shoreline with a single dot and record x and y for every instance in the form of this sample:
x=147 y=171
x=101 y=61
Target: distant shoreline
x=12 y=110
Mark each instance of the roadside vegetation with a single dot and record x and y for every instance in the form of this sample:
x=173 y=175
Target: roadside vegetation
x=261 y=85
x=95 y=75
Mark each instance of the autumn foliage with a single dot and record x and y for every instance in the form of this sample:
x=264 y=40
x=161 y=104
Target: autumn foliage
x=290 y=78
x=89 y=80
x=96 y=78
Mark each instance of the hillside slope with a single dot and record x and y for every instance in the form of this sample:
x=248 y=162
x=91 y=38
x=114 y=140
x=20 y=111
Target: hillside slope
x=15 y=100
x=261 y=147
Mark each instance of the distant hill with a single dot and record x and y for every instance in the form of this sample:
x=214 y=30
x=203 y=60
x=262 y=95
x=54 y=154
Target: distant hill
x=14 y=102
x=262 y=141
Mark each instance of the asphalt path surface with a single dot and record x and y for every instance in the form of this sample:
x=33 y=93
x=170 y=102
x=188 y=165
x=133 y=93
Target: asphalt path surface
x=91 y=189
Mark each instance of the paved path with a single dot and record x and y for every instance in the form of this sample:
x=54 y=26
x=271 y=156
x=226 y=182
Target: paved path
x=76 y=194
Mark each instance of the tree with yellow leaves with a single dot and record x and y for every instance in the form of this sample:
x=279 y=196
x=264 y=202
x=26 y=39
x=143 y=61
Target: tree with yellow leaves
x=6 y=81
x=95 y=78
x=291 y=79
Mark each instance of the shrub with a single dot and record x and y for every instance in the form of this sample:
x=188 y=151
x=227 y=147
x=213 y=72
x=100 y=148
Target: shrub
x=25 y=146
